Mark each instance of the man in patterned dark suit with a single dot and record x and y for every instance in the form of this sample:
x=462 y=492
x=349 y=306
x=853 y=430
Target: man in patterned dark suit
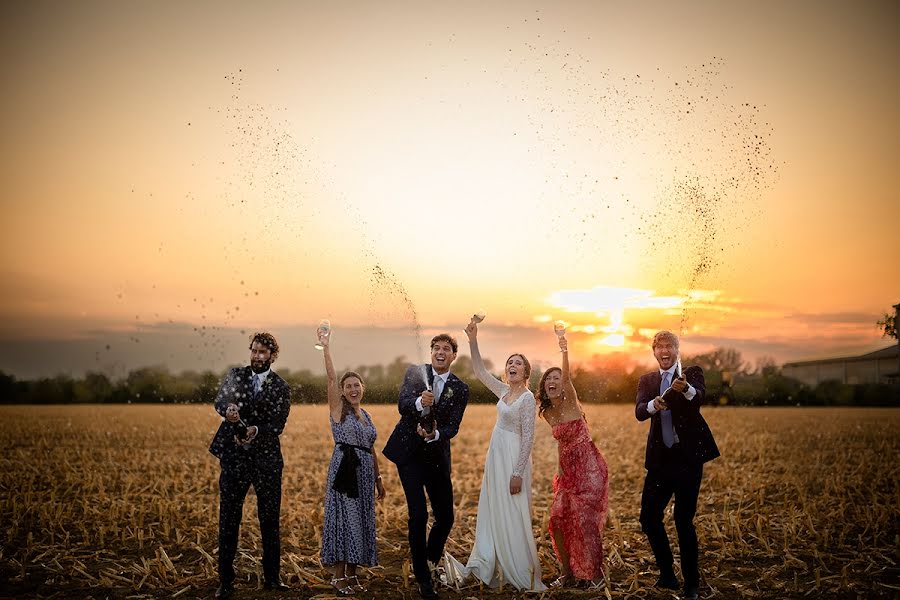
x=678 y=444
x=431 y=405
x=255 y=403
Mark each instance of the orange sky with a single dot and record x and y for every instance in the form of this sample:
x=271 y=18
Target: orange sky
x=620 y=167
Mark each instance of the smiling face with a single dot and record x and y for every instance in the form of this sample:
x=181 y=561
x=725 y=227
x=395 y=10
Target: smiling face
x=552 y=384
x=352 y=389
x=517 y=369
x=442 y=356
x=260 y=357
x=665 y=349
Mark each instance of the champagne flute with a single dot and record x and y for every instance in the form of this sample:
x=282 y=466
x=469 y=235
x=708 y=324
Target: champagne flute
x=559 y=328
x=323 y=330
x=479 y=316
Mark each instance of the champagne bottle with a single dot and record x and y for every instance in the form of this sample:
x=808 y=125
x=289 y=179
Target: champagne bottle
x=240 y=429
x=426 y=417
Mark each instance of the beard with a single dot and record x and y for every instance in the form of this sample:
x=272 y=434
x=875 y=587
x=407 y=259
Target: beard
x=260 y=367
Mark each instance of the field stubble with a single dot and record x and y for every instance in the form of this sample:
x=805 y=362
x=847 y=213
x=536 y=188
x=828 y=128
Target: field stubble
x=122 y=502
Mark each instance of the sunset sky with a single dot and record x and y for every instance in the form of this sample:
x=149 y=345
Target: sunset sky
x=177 y=175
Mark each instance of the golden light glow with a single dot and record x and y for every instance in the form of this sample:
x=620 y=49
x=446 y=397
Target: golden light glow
x=436 y=159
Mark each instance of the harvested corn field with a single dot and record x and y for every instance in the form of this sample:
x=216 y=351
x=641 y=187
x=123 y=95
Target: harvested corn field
x=122 y=502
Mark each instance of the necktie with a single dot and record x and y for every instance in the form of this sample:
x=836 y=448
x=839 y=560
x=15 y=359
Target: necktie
x=437 y=387
x=256 y=384
x=668 y=433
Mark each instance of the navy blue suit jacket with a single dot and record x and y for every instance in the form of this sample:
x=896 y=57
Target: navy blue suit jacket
x=694 y=434
x=268 y=411
x=405 y=445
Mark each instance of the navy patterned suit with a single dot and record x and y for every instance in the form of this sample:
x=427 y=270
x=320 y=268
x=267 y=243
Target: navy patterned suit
x=260 y=465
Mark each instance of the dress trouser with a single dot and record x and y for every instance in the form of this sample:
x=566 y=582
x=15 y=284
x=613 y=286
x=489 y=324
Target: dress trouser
x=238 y=474
x=419 y=477
x=679 y=477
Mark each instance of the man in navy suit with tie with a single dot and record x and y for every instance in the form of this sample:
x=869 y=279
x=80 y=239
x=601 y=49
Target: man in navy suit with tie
x=431 y=405
x=678 y=444
x=255 y=403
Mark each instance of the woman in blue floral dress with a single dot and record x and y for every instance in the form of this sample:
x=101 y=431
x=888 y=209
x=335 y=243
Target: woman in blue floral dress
x=348 y=535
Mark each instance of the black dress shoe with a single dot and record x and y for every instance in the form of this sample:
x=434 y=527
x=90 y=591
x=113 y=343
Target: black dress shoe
x=225 y=591
x=276 y=586
x=668 y=581
x=427 y=591
x=691 y=592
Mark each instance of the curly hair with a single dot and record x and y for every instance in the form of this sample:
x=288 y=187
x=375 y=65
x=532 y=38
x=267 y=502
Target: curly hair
x=346 y=407
x=445 y=337
x=266 y=339
x=542 y=396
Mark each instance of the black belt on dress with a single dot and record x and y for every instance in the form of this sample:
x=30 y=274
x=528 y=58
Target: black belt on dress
x=345 y=479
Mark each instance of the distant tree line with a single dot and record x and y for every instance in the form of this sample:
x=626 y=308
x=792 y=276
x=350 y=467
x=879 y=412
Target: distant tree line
x=729 y=381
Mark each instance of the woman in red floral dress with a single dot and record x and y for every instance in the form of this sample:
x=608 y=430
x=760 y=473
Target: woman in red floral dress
x=581 y=487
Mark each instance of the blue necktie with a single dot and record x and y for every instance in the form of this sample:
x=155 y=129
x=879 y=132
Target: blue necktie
x=437 y=388
x=668 y=432
x=256 y=385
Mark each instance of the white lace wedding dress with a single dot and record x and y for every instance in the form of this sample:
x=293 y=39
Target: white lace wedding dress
x=504 y=550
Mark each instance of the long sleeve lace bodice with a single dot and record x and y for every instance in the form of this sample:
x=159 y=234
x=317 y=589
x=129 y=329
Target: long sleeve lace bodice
x=518 y=417
x=523 y=409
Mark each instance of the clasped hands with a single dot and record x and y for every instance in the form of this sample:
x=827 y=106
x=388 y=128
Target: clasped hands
x=680 y=385
x=233 y=416
x=424 y=434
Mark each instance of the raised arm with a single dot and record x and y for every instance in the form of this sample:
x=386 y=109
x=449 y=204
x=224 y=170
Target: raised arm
x=495 y=385
x=334 y=394
x=568 y=388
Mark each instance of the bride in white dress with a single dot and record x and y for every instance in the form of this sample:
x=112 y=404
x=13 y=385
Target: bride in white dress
x=504 y=550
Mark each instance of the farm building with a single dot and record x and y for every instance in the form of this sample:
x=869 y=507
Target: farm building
x=880 y=366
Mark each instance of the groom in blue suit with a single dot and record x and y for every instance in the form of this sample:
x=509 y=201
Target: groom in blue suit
x=678 y=444
x=432 y=403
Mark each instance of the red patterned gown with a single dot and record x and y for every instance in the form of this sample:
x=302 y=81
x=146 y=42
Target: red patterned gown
x=580 y=499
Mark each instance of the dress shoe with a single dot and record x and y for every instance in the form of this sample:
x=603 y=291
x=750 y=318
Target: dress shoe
x=225 y=591
x=691 y=593
x=426 y=590
x=668 y=581
x=276 y=586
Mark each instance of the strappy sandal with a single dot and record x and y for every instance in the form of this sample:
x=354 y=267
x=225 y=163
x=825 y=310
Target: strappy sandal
x=354 y=584
x=563 y=581
x=598 y=584
x=345 y=590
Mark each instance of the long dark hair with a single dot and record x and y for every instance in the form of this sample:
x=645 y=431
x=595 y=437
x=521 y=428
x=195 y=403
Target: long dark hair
x=542 y=397
x=346 y=407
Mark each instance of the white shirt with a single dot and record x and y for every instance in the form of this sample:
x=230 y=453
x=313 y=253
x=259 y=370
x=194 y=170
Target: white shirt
x=689 y=393
x=262 y=377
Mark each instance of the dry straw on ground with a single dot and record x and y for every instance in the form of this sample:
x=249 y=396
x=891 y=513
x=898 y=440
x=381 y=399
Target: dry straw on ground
x=122 y=502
